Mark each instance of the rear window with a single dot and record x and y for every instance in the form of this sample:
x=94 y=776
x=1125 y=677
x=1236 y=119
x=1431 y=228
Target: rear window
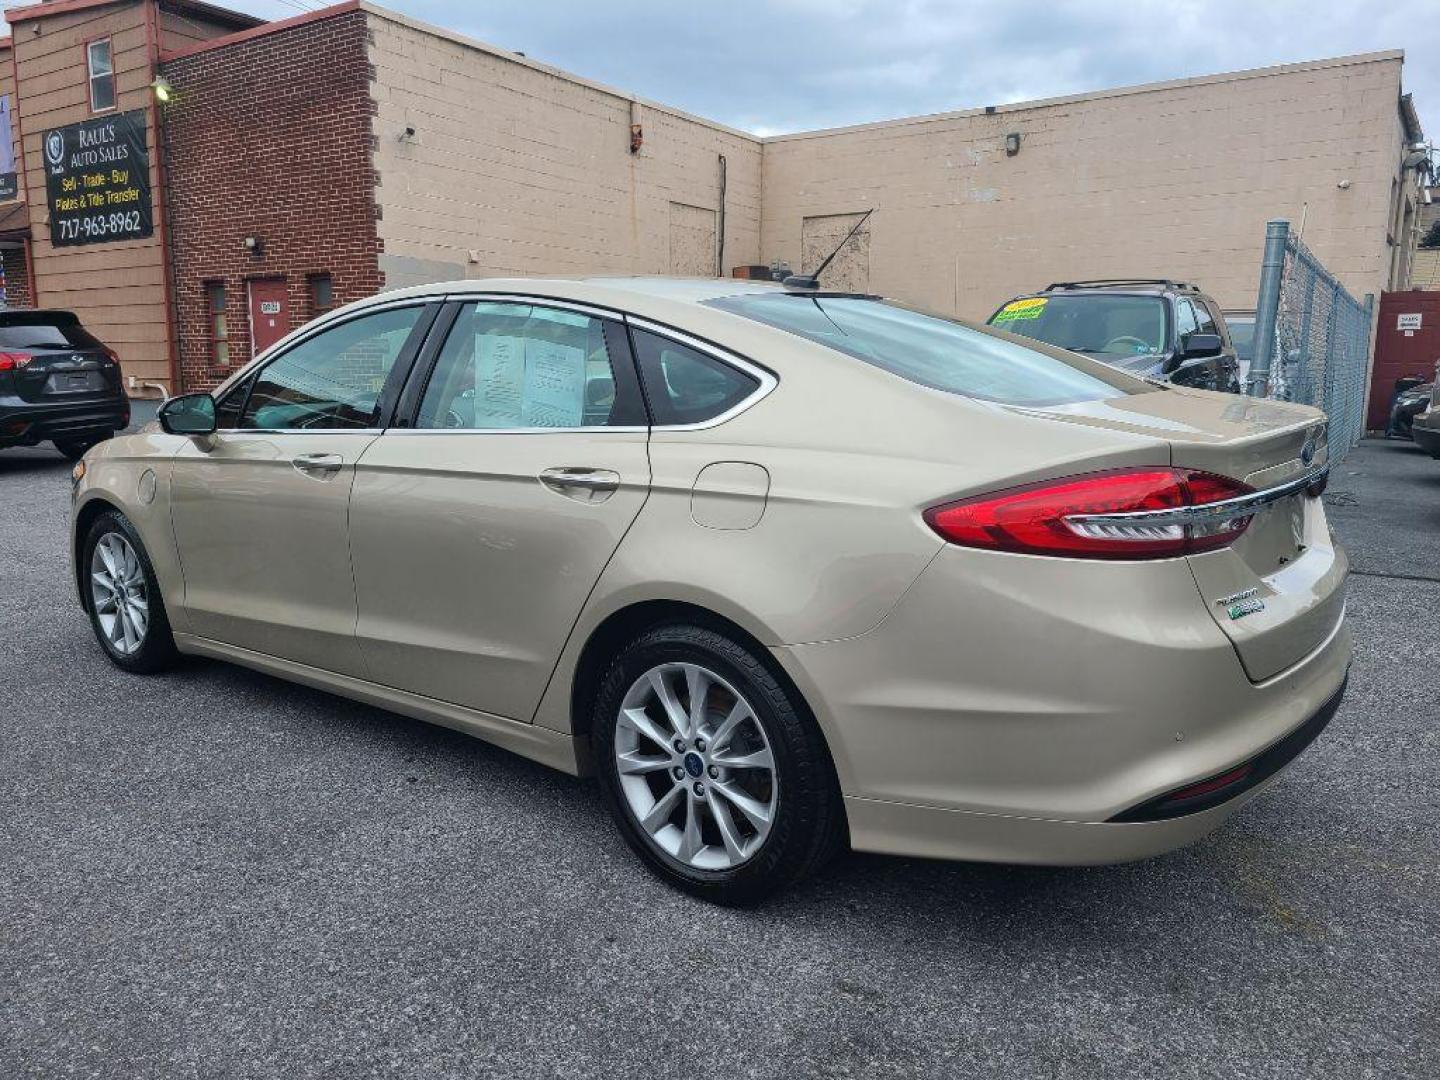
x=1242 y=336
x=44 y=332
x=1106 y=326
x=925 y=349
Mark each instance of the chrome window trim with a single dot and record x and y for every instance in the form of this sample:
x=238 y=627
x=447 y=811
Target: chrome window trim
x=591 y=429
x=767 y=379
x=1239 y=506
x=300 y=431
x=534 y=301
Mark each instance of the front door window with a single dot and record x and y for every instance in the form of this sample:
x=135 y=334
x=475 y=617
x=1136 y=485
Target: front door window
x=334 y=379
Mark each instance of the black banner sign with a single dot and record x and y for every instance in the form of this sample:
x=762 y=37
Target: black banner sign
x=97 y=180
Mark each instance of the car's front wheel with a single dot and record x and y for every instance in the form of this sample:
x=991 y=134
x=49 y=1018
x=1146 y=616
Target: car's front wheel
x=717 y=778
x=122 y=596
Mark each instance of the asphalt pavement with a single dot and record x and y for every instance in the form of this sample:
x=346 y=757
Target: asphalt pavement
x=212 y=873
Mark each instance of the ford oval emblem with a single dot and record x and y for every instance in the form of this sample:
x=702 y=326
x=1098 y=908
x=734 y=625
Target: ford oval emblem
x=1307 y=452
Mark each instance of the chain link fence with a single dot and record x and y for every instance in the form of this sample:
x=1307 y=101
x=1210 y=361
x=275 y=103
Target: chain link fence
x=1312 y=338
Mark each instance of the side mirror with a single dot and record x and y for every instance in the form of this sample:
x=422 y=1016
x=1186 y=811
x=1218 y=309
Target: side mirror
x=1202 y=345
x=188 y=414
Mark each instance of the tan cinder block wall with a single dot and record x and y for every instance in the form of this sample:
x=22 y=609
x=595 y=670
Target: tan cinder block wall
x=1170 y=180
x=530 y=169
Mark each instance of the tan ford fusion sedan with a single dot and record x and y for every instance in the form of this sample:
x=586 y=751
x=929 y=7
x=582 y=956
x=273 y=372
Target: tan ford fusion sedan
x=786 y=570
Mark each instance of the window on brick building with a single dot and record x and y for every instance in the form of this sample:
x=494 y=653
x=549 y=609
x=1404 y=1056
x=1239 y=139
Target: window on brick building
x=322 y=293
x=101 y=68
x=218 y=331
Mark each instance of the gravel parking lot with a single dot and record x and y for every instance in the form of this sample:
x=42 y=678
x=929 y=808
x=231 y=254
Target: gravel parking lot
x=215 y=874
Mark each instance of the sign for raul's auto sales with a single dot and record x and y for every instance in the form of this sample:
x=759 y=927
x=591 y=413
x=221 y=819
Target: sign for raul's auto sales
x=97 y=180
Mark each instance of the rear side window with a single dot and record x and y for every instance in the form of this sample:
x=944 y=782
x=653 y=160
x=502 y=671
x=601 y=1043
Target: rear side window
x=685 y=385
x=45 y=332
x=926 y=349
x=1205 y=318
x=1186 y=322
x=517 y=366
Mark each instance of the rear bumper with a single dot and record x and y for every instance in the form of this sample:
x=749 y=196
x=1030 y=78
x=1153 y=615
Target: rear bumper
x=936 y=833
x=1010 y=707
x=1427 y=438
x=24 y=423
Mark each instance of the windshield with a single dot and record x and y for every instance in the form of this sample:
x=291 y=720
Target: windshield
x=38 y=331
x=1100 y=324
x=925 y=349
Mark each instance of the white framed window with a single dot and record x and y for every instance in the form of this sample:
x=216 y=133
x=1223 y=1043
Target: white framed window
x=100 y=66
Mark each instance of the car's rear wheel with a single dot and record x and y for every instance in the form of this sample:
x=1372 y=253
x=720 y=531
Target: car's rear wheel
x=717 y=778
x=123 y=598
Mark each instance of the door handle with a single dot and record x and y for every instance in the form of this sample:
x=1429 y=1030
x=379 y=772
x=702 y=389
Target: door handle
x=318 y=466
x=592 y=485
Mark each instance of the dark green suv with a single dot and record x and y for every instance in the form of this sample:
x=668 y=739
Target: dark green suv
x=1156 y=329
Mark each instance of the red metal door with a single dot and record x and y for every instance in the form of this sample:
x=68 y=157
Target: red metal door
x=269 y=313
x=1407 y=342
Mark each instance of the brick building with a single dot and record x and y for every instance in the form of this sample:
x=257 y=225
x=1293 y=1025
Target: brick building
x=194 y=182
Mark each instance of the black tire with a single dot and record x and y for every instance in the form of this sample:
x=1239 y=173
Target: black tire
x=156 y=651
x=74 y=449
x=808 y=824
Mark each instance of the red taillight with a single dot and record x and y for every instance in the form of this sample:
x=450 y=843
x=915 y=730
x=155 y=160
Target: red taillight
x=13 y=361
x=1069 y=517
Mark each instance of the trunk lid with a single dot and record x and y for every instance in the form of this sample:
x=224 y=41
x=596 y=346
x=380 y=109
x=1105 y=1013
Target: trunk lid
x=56 y=377
x=1278 y=591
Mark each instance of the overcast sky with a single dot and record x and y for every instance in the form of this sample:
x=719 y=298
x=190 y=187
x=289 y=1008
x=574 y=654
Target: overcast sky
x=788 y=65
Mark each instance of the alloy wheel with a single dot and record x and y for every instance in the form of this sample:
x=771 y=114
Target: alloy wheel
x=119 y=593
x=695 y=766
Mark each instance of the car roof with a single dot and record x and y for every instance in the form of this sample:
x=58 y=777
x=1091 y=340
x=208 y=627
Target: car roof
x=619 y=292
x=674 y=301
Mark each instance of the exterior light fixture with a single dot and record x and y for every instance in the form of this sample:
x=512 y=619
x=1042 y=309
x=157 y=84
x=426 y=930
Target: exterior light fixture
x=255 y=245
x=164 y=92
x=1012 y=143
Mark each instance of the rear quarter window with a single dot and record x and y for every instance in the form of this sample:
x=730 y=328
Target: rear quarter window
x=686 y=386
x=930 y=350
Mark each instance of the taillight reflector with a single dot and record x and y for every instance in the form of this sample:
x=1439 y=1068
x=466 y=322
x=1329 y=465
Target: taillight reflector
x=1050 y=518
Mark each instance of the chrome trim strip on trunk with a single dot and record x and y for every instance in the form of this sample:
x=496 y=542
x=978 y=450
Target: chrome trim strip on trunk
x=1239 y=506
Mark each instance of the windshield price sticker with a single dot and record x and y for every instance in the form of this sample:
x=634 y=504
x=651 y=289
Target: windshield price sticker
x=97 y=180
x=1016 y=310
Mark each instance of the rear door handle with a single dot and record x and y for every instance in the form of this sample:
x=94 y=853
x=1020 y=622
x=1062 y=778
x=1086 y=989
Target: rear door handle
x=318 y=466
x=589 y=485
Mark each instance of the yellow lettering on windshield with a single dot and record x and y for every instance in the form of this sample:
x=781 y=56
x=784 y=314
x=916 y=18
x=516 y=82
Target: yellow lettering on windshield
x=1030 y=308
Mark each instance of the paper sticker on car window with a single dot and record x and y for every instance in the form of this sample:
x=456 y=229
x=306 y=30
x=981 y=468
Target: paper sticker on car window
x=499 y=380
x=1016 y=310
x=554 y=384
x=525 y=382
